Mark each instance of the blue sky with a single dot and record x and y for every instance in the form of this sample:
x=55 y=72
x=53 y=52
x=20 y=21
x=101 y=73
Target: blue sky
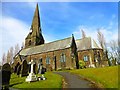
x=58 y=20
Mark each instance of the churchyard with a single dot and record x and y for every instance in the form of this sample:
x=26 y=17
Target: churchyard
x=106 y=77
x=24 y=78
x=52 y=81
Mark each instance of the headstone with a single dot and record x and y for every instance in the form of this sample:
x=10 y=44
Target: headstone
x=18 y=70
x=34 y=68
x=32 y=76
x=24 y=68
x=39 y=68
x=15 y=69
x=6 y=74
x=43 y=70
x=29 y=68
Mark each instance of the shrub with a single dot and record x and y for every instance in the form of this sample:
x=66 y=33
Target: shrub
x=81 y=64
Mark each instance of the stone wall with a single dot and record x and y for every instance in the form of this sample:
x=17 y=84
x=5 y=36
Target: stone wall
x=91 y=55
x=69 y=61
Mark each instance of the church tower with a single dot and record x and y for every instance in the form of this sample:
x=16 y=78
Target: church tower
x=35 y=37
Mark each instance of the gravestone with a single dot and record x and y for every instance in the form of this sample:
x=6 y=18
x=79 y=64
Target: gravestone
x=19 y=70
x=32 y=76
x=34 y=68
x=24 y=68
x=39 y=68
x=43 y=70
x=15 y=69
x=6 y=74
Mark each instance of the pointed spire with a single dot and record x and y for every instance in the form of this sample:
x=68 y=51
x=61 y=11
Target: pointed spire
x=36 y=21
x=72 y=36
x=35 y=35
x=73 y=40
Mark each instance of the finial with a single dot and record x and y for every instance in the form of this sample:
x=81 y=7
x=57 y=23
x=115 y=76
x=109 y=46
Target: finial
x=72 y=35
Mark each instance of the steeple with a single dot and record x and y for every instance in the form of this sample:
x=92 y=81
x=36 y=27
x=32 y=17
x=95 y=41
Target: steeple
x=36 y=20
x=35 y=35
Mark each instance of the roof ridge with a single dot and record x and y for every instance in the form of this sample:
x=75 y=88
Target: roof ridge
x=48 y=43
x=58 y=40
x=51 y=46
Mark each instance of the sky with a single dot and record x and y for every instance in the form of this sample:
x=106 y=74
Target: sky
x=59 y=20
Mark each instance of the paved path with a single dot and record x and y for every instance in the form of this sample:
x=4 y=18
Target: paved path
x=74 y=81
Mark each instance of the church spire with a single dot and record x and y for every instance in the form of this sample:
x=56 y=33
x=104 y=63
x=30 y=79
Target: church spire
x=36 y=20
x=35 y=36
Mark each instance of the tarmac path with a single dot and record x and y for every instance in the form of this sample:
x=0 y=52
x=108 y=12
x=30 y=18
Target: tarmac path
x=74 y=81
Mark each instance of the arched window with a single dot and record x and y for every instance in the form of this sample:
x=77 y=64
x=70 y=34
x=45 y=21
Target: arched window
x=63 y=58
x=47 y=60
x=86 y=58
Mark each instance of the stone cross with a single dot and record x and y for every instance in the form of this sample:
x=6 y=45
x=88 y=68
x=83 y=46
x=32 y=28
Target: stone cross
x=32 y=76
x=32 y=63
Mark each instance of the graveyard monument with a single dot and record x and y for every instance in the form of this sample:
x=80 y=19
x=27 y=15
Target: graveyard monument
x=6 y=74
x=32 y=76
x=24 y=68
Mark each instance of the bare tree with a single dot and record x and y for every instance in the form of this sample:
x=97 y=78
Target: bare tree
x=114 y=51
x=102 y=43
x=114 y=47
x=17 y=48
x=118 y=50
x=11 y=54
x=83 y=33
x=8 y=56
x=23 y=45
x=4 y=58
x=101 y=39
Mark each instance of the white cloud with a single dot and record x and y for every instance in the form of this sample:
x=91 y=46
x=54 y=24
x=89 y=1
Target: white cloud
x=13 y=31
x=15 y=28
x=92 y=32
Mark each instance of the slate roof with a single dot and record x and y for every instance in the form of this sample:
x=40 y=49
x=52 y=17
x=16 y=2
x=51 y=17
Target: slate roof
x=86 y=43
x=52 y=46
x=82 y=44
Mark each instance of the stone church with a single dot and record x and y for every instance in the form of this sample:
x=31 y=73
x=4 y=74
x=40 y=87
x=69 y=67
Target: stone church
x=60 y=54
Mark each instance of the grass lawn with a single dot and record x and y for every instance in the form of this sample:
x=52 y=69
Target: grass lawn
x=52 y=81
x=107 y=76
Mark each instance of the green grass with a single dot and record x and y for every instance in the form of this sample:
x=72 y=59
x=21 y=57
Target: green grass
x=52 y=81
x=107 y=76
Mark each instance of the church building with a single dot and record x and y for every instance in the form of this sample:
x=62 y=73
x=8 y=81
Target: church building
x=57 y=55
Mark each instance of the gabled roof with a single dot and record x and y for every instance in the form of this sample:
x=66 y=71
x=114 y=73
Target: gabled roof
x=86 y=43
x=52 y=46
